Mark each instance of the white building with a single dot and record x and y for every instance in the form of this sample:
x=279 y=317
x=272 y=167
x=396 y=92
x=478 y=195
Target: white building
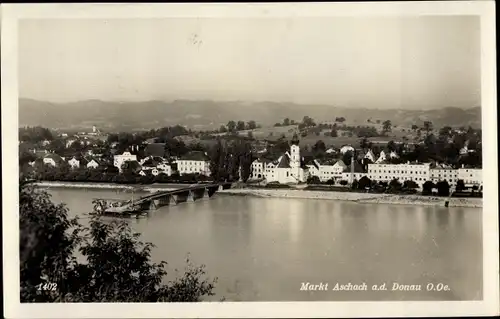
x=471 y=176
x=417 y=172
x=289 y=169
x=327 y=172
x=381 y=158
x=74 y=163
x=369 y=155
x=92 y=164
x=331 y=150
x=53 y=160
x=192 y=163
x=165 y=168
x=444 y=173
x=125 y=157
x=346 y=148
x=258 y=169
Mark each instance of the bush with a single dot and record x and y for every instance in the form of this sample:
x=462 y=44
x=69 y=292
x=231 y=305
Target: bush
x=118 y=265
x=443 y=188
x=427 y=188
x=343 y=182
x=313 y=180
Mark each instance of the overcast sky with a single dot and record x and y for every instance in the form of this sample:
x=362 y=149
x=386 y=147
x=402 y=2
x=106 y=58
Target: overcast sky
x=429 y=62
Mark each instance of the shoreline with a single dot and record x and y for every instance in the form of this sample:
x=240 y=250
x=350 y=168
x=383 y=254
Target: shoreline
x=362 y=198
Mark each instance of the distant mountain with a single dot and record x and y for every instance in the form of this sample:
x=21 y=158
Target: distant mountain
x=115 y=116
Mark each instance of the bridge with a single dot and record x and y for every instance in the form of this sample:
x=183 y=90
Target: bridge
x=167 y=198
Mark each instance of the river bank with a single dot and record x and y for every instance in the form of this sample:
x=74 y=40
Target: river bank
x=364 y=198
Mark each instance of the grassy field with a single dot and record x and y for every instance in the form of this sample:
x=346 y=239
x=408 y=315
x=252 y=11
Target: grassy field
x=273 y=133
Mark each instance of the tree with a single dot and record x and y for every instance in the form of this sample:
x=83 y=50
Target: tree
x=250 y=135
x=319 y=147
x=286 y=122
x=118 y=266
x=330 y=182
x=333 y=133
x=346 y=157
x=277 y=124
x=231 y=126
x=251 y=125
x=427 y=188
x=363 y=143
x=364 y=182
x=386 y=126
x=222 y=129
x=443 y=188
x=395 y=186
x=313 y=180
x=307 y=121
x=414 y=127
x=460 y=185
x=240 y=126
x=340 y=119
x=410 y=185
x=427 y=127
x=343 y=182
x=391 y=146
x=355 y=184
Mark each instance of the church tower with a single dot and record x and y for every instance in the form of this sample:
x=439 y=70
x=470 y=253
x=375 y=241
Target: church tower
x=295 y=155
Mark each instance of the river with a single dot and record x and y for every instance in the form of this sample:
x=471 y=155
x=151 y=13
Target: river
x=263 y=249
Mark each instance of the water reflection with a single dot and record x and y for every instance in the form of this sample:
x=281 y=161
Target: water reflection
x=263 y=248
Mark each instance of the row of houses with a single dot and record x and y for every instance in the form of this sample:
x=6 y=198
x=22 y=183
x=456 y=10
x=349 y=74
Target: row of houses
x=291 y=168
x=191 y=163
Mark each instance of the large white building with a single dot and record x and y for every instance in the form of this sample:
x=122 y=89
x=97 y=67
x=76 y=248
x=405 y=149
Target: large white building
x=444 y=173
x=417 y=172
x=192 y=163
x=325 y=171
x=258 y=168
x=120 y=159
x=471 y=176
x=289 y=168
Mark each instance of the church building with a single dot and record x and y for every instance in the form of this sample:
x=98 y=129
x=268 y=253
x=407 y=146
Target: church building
x=290 y=168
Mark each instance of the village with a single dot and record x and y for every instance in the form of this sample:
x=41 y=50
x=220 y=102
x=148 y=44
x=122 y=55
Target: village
x=85 y=155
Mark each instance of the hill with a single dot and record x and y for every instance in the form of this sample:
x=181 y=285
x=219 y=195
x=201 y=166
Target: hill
x=121 y=116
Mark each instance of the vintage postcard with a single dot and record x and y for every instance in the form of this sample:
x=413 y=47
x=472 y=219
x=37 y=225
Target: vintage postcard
x=249 y=160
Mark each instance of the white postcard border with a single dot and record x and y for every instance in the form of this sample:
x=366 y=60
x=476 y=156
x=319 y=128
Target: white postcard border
x=11 y=13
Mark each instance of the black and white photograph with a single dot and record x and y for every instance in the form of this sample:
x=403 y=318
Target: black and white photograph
x=212 y=155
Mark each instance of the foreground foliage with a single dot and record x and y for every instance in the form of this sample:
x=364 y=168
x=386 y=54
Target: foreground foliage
x=117 y=266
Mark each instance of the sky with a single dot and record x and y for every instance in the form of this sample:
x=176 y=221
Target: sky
x=393 y=62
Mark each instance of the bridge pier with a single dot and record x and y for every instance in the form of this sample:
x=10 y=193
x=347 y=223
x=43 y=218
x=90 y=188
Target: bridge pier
x=172 y=200
x=190 y=197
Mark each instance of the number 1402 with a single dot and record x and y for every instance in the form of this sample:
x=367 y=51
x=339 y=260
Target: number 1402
x=48 y=286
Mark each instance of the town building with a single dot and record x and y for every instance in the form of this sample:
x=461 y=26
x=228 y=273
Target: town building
x=74 y=162
x=442 y=172
x=193 y=162
x=119 y=160
x=93 y=163
x=53 y=160
x=471 y=176
x=290 y=168
x=346 y=148
x=258 y=168
x=327 y=170
x=354 y=171
x=417 y=172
